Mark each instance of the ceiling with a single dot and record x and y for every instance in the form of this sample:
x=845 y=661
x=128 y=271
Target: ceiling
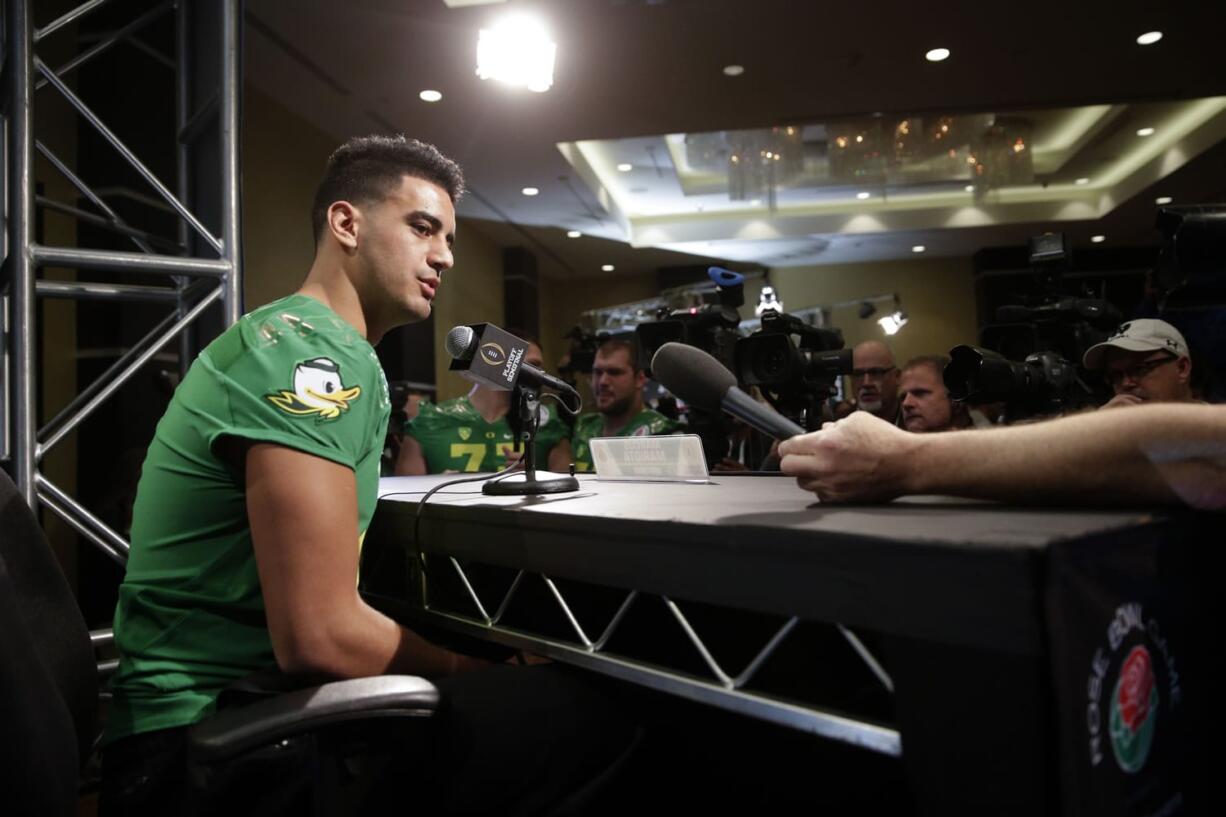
x=634 y=77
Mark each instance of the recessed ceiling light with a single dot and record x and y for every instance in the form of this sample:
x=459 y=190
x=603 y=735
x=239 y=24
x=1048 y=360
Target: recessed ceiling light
x=607 y=268
x=625 y=167
x=1163 y=200
x=918 y=248
x=734 y=70
x=1149 y=38
x=937 y=54
x=1145 y=132
x=1083 y=180
x=863 y=194
x=430 y=96
x=970 y=188
x=530 y=191
x=1098 y=239
x=573 y=233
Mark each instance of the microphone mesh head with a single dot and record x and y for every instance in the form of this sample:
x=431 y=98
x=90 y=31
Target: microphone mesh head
x=692 y=374
x=461 y=342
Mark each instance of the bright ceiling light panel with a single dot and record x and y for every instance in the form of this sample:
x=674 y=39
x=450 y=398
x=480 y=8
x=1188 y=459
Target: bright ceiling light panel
x=607 y=268
x=937 y=55
x=573 y=234
x=518 y=52
x=1149 y=38
x=530 y=191
x=1163 y=200
x=918 y=248
x=1098 y=239
x=430 y=96
x=1145 y=132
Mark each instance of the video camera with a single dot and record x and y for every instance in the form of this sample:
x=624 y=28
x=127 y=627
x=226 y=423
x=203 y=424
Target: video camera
x=582 y=353
x=1024 y=357
x=711 y=327
x=794 y=378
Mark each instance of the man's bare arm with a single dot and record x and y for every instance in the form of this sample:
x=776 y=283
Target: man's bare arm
x=303 y=512
x=1159 y=454
x=410 y=462
x=560 y=457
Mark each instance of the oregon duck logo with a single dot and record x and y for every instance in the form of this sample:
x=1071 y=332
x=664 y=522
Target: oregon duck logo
x=318 y=391
x=493 y=354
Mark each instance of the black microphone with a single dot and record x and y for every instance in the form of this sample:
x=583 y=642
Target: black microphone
x=493 y=357
x=699 y=379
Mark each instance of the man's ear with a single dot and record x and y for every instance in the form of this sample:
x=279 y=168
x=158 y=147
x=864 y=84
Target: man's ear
x=640 y=378
x=343 y=222
x=1184 y=367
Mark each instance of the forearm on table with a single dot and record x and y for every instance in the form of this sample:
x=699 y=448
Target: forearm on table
x=357 y=641
x=1163 y=454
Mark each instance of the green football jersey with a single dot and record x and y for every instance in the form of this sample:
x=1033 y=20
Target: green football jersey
x=190 y=617
x=455 y=437
x=591 y=425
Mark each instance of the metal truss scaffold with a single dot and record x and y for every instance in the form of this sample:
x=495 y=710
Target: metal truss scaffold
x=723 y=688
x=193 y=283
x=201 y=266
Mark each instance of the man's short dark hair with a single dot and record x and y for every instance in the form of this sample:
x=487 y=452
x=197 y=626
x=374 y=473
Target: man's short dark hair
x=368 y=168
x=936 y=362
x=631 y=348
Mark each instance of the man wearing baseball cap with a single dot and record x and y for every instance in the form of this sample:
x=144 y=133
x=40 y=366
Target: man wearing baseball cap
x=1145 y=361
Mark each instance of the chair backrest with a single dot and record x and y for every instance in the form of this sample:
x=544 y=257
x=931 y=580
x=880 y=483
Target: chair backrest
x=48 y=675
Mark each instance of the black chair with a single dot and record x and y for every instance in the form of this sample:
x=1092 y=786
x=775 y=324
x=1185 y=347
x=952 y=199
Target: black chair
x=49 y=699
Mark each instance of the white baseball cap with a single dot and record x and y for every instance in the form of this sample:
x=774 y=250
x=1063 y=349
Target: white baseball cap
x=1141 y=335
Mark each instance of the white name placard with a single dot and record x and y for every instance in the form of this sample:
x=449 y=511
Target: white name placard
x=672 y=458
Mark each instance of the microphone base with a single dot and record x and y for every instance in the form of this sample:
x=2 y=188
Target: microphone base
x=531 y=487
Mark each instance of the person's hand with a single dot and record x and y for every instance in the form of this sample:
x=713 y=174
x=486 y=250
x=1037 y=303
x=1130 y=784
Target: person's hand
x=858 y=459
x=1122 y=400
x=513 y=458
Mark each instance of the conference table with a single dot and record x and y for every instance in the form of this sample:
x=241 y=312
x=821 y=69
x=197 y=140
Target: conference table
x=1017 y=660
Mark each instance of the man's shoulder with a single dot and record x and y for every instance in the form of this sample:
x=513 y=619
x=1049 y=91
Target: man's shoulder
x=294 y=328
x=589 y=423
x=654 y=422
x=298 y=356
x=446 y=412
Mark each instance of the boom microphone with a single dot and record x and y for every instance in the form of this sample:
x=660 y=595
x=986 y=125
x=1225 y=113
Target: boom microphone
x=699 y=379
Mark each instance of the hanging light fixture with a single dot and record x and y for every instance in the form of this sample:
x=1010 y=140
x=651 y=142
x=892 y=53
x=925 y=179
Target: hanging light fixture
x=890 y=324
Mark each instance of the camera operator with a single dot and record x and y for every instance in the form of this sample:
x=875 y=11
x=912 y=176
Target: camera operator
x=617 y=384
x=874 y=379
x=924 y=401
x=1145 y=361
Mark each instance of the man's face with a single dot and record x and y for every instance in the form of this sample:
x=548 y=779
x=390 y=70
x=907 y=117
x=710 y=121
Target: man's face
x=617 y=386
x=925 y=402
x=875 y=380
x=533 y=356
x=404 y=246
x=1157 y=376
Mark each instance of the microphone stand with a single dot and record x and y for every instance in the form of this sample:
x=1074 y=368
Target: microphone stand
x=526 y=404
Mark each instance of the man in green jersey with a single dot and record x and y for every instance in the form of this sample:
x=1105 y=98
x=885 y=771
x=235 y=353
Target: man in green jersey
x=617 y=385
x=257 y=488
x=472 y=434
